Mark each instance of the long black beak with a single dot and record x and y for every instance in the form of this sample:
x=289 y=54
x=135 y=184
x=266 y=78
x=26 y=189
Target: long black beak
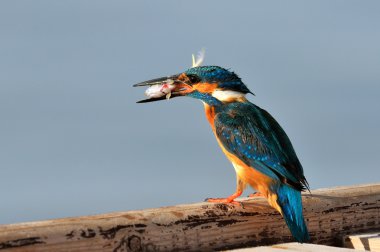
x=158 y=81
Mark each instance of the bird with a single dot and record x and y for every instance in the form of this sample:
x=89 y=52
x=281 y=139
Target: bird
x=254 y=142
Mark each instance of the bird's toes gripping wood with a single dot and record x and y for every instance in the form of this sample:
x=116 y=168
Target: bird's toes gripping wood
x=224 y=201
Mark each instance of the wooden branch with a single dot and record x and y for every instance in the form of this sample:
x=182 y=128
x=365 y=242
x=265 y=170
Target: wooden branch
x=330 y=213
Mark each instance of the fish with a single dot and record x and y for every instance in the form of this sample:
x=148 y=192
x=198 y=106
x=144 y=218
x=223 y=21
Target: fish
x=159 y=90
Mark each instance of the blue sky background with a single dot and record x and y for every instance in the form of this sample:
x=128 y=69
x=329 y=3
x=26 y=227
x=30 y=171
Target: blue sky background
x=74 y=142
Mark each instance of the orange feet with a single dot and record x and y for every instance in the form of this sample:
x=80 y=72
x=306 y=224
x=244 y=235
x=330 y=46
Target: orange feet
x=223 y=200
x=228 y=200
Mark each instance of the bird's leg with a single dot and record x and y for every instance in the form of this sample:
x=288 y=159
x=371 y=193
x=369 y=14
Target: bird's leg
x=240 y=185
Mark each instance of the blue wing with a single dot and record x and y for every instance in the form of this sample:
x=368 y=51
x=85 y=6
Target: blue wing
x=252 y=134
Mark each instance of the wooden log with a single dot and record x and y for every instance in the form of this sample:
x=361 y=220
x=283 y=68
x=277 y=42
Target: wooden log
x=330 y=213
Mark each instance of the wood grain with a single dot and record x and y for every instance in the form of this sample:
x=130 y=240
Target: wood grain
x=330 y=213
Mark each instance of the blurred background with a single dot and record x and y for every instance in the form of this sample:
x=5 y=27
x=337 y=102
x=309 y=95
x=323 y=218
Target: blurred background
x=74 y=142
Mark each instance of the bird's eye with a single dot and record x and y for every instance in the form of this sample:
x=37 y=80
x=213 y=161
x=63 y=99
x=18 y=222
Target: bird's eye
x=193 y=78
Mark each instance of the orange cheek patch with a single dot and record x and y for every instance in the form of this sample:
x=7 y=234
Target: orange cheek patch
x=183 y=77
x=205 y=87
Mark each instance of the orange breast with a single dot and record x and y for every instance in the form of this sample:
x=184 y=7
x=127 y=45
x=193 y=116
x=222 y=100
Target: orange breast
x=210 y=115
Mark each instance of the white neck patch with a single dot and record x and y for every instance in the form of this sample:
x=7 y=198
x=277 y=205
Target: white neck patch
x=227 y=95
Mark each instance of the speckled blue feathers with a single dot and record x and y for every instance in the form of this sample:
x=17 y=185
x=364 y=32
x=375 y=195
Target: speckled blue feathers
x=252 y=134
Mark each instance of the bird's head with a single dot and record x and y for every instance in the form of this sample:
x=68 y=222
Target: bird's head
x=211 y=84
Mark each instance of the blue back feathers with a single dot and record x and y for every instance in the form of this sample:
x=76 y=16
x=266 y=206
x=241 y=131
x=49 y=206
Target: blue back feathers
x=214 y=74
x=252 y=134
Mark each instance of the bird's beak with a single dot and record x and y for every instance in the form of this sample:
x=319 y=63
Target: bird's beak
x=165 y=88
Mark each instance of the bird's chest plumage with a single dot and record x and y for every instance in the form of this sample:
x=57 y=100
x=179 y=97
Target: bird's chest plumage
x=210 y=115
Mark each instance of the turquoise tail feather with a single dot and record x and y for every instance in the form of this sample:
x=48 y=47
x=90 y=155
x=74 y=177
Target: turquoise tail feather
x=290 y=202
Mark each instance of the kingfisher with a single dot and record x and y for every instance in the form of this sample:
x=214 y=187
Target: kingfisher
x=254 y=142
